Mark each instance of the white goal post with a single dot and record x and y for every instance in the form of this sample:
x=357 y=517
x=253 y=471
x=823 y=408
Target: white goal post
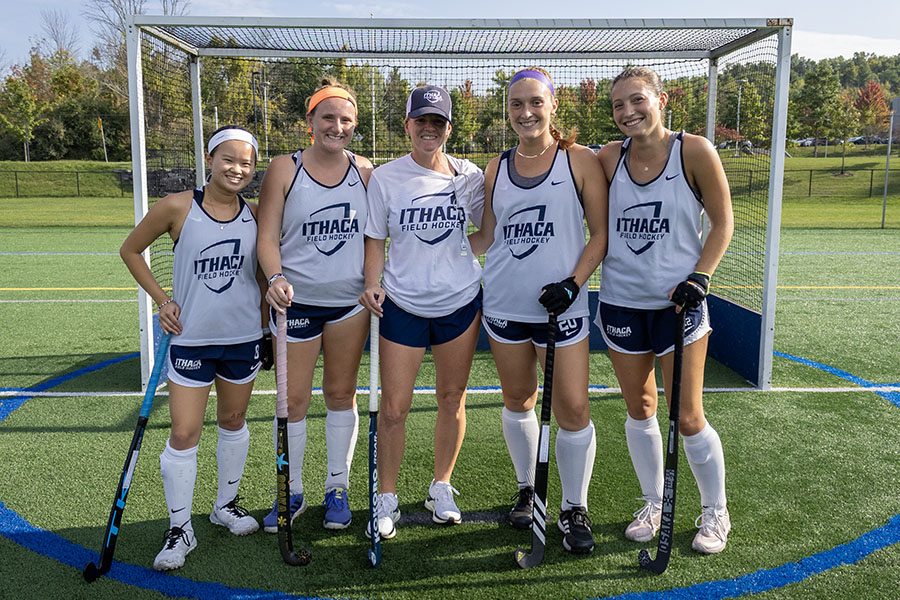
x=727 y=79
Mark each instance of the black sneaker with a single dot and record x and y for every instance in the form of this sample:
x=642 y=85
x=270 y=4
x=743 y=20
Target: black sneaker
x=576 y=527
x=520 y=515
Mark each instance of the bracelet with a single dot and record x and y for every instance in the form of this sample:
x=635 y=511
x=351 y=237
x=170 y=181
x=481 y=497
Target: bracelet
x=166 y=302
x=266 y=331
x=274 y=277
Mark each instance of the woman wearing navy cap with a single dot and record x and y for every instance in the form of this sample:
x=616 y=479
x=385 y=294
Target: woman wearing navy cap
x=427 y=293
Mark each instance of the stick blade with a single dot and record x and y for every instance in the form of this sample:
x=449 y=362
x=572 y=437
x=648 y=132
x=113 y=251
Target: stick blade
x=375 y=556
x=654 y=566
x=527 y=560
x=91 y=573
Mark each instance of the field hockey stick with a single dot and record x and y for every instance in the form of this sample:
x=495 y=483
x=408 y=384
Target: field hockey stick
x=526 y=560
x=91 y=571
x=667 y=520
x=375 y=551
x=282 y=455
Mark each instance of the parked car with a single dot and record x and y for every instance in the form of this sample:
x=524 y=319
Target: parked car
x=595 y=147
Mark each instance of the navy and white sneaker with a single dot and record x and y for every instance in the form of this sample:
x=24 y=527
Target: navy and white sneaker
x=576 y=528
x=177 y=543
x=337 y=509
x=388 y=515
x=441 y=504
x=297 y=508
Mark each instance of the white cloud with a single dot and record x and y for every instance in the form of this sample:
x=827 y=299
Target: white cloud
x=817 y=46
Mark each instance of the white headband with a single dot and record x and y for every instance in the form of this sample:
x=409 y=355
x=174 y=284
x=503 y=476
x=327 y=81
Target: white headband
x=232 y=134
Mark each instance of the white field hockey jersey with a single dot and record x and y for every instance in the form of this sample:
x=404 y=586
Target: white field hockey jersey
x=431 y=269
x=539 y=239
x=214 y=278
x=654 y=234
x=322 y=238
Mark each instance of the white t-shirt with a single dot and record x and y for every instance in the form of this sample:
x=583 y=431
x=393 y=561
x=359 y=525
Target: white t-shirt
x=431 y=269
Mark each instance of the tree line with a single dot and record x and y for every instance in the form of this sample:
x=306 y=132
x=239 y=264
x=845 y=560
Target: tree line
x=57 y=107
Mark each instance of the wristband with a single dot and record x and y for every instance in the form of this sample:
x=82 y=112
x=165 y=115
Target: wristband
x=266 y=331
x=166 y=302
x=274 y=277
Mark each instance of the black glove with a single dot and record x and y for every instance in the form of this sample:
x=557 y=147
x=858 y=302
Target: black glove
x=266 y=356
x=690 y=293
x=558 y=297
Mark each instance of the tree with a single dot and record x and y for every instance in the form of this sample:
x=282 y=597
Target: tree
x=21 y=110
x=846 y=121
x=61 y=32
x=873 y=109
x=819 y=101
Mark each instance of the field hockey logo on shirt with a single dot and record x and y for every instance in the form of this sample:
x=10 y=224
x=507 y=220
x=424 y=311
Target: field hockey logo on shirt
x=527 y=230
x=219 y=264
x=641 y=226
x=433 y=217
x=331 y=227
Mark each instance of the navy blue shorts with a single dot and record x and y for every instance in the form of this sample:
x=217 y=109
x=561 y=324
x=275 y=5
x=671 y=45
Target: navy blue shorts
x=635 y=331
x=306 y=322
x=198 y=366
x=407 y=329
x=568 y=331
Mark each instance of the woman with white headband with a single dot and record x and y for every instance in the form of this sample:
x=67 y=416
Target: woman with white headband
x=215 y=320
x=312 y=213
x=538 y=196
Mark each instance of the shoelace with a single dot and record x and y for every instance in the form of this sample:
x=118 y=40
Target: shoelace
x=388 y=504
x=443 y=492
x=526 y=494
x=171 y=537
x=335 y=500
x=645 y=513
x=233 y=508
x=709 y=523
x=580 y=518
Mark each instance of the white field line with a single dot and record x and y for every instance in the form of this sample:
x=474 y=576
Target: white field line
x=471 y=391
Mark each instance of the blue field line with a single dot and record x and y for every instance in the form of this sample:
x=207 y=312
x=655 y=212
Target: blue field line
x=892 y=397
x=17 y=529
x=7 y=405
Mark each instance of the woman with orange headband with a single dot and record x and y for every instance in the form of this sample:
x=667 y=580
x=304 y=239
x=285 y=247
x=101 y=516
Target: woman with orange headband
x=311 y=220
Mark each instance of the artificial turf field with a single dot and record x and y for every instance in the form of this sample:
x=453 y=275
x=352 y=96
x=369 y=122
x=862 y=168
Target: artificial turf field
x=812 y=467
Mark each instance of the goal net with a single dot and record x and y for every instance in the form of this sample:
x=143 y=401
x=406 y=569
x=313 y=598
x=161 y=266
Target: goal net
x=726 y=80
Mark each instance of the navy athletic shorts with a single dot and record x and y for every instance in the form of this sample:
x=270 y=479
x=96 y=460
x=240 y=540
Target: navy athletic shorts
x=636 y=331
x=198 y=366
x=408 y=329
x=568 y=331
x=306 y=322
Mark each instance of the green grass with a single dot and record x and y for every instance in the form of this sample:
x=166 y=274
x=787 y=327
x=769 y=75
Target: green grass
x=806 y=471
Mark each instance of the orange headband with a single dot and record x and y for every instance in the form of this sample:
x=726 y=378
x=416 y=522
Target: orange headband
x=329 y=92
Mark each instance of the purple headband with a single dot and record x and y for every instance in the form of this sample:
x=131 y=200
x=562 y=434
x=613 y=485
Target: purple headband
x=533 y=75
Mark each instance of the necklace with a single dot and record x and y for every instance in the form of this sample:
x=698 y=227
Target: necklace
x=222 y=224
x=541 y=153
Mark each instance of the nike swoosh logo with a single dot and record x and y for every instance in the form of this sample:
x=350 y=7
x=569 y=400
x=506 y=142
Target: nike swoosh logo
x=246 y=220
x=175 y=510
x=352 y=184
x=672 y=177
x=556 y=182
x=336 y=474
x=234 y=482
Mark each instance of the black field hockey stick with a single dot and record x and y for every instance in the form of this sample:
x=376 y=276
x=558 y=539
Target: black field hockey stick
x=667 y=520
x=93 y=571
x=525 y=559
x=282 y=454
x=375 y=551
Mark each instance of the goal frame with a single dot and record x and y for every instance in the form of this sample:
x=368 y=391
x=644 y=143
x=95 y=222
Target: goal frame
x=754 y=328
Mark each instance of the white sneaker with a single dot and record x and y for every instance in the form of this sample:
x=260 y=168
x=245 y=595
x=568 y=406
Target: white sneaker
x=388 y=515
x=178 y=543
x=441 y=504
x=234 y=517
x=714 y=524
x=646 y=522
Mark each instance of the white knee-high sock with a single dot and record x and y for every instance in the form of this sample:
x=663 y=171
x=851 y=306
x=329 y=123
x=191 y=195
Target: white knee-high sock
x=296 y=434
x=645 y=447
x=231 y=456
x=575 y=451
x=521 y=431
x=341 y=431
x=179 y=474
x=704 y=453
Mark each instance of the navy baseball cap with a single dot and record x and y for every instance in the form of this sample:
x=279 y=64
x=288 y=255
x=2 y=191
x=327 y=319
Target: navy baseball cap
x=428 y=100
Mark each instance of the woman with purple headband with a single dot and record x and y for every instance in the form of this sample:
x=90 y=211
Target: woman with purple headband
x=538 y=196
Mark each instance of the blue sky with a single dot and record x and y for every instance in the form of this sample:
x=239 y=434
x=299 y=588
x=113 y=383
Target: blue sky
x=820 y=30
